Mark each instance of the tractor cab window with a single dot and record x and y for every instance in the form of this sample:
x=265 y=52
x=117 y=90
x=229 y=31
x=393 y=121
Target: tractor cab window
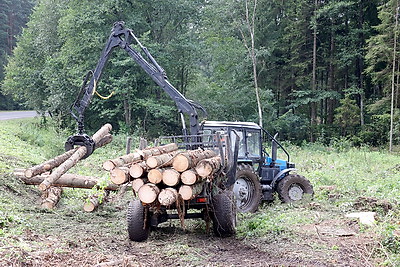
x=253 y=143
x=242 y=148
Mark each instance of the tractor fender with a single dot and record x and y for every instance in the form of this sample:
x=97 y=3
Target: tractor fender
x=280 y=176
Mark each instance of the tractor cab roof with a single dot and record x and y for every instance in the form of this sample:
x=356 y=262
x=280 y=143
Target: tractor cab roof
x=236 y=124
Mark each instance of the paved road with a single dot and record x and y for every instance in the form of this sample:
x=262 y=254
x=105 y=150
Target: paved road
x=9 y=115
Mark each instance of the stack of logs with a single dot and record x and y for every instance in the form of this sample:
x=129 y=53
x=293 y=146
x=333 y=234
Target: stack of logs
x=51 y=175
x=162 y=174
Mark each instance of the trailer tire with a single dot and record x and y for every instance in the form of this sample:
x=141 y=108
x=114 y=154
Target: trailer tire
x=293 y=187
x=224 y=214
x=247 y=189
x=138 y=222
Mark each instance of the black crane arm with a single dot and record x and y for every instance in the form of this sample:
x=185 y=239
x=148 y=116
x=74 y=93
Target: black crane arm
x=122 y=37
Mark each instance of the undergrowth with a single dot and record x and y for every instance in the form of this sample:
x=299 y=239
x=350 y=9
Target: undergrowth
x=345 y=179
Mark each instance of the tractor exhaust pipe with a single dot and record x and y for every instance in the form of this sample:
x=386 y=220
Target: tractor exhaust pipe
x=274 y=148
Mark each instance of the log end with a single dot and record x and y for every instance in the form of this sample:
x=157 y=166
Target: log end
x=108 y=165
x=89 y=207
x=180 y=163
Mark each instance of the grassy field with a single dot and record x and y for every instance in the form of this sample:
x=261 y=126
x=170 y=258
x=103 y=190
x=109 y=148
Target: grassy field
x=311 y=233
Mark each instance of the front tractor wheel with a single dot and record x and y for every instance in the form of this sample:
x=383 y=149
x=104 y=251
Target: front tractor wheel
x=138 y=219
x=294 y=187
x=247 y=190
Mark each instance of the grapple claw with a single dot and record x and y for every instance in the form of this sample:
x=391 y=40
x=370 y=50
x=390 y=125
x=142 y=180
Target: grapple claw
x=80 y=140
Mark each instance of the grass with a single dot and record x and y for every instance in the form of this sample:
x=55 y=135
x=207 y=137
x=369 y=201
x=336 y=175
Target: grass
x=345 y=179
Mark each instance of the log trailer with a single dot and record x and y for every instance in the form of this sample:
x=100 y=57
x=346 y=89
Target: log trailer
x=248 y=176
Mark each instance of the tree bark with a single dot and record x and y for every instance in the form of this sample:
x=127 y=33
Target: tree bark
x=162 y=160
x=75 y=157
x=121 y=161
x=155 y=151
x=190 y=177
x=50 y=197
x=119 y=175
x=168 y=196
x=138 y=169
x=189 y=159
x=67 y=180
x=50 y=164
x=170 y=177
x=207 y=167
x=148 y=193
x=189 y=192
x=103 y=141
x=155 y=176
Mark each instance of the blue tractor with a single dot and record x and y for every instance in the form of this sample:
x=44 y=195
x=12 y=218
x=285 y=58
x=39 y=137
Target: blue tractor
x=259 y=174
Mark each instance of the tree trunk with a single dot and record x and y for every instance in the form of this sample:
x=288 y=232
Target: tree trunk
x=75 y=157
x=138 y=155
x=148 y=193
x=137 y=183
x=168 y=196
x=190 y=177
x=189 y=159
x=50 y=197
x=162 y=160
x=121 y=161
x=138 y=169
x=67 y=180
x=155 y=151
x=103 y=141
x=188 y=192
x=171 y=177
x=207 y=167
x=313 y=105
x=120 y=175
x=50 y=164
x=393 y=77
x=155 y=176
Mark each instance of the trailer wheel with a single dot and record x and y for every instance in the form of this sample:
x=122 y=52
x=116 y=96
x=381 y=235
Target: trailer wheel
x=224 y=214
x=247 y=189
x=138 y=222
x=293 y=187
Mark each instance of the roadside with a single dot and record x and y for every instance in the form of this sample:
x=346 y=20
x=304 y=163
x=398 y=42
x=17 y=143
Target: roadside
x=9 y=115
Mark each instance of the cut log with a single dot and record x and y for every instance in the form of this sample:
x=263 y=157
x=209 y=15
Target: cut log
x=189 y=159
x=68 y=180
x=155 y=176
x=188 y=192
x=104 y=141
x=138 y=169
x=102 y=132
x=121 y=161
x=162 y=160
x=190 y=177
x=137 y=183
x=73 y=159
x=207 y=167
x=168 y=196
x=91 y=203
x=154 y=151
x=50 y=164
x=148 y=193
x=119 y=175
x=170 y=177
x=50 y=197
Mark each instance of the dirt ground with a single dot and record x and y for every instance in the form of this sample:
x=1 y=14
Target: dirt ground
x=69 y=238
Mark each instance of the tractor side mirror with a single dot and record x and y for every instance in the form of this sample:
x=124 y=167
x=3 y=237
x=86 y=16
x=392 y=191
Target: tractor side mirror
x=274 y=149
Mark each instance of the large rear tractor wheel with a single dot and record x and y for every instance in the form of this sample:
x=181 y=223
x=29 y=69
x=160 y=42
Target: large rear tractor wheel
x=138 y=222
x=247 y=189
x=224 y=214
x=294 y=187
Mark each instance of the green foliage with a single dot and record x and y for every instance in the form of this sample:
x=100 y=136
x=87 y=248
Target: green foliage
x=347 y=116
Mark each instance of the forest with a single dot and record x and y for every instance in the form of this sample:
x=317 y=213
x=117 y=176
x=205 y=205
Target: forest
x=312 y=70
